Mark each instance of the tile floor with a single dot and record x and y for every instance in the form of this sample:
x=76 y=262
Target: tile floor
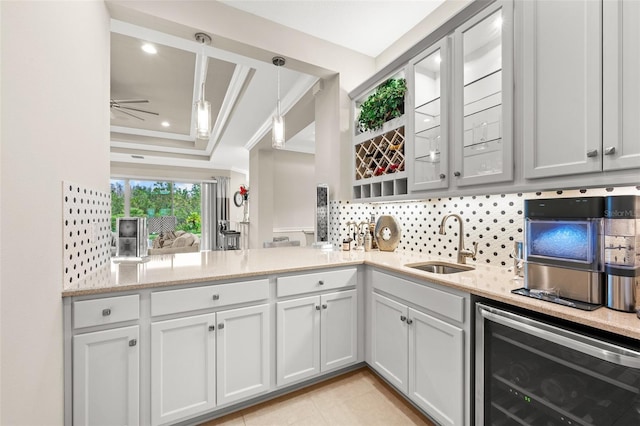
x=356 y=398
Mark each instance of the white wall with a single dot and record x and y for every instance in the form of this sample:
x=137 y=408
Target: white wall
x=294 y=193
x=55 y=127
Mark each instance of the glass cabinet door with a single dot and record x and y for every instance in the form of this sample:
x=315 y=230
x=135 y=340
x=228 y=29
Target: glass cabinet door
x=484 y=97
x=429 y=151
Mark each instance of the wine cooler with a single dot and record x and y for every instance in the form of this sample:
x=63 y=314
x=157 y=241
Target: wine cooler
x=534 y=371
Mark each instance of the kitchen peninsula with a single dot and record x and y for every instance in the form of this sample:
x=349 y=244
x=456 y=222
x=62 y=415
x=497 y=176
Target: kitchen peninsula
x=492 y=282
x=194 y=336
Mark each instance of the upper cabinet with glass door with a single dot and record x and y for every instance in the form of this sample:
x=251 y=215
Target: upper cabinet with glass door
x=483 y=97
x=428 y=155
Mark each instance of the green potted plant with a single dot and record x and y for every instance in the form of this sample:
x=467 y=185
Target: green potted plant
x=386 y=103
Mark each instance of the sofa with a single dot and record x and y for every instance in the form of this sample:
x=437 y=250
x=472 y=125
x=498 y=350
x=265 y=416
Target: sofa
x=171 y=242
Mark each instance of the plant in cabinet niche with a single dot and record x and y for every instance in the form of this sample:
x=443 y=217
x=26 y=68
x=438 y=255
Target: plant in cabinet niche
x=386 y=103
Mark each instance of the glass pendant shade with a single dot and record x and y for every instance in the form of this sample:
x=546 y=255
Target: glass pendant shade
x=277 y=135
x=203 y=124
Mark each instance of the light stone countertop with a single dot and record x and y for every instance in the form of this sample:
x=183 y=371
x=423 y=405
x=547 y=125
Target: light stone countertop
x=486 y=281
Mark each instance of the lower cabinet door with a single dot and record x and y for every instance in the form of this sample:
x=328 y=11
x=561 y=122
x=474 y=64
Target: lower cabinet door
x=436 y=368
x=338 y=329
x=183 y=368
x=298 y=339
x=242 y=353
x=389 y=340
x=106 y=377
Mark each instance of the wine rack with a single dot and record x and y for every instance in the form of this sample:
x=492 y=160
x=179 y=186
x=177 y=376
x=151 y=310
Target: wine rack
x=379 y=162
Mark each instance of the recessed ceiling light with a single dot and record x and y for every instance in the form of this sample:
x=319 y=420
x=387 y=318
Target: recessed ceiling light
x=149 y=48
x=165 y=124
x=438 y=59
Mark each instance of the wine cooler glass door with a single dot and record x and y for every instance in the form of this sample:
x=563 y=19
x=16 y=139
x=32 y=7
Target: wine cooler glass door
x=531 y=372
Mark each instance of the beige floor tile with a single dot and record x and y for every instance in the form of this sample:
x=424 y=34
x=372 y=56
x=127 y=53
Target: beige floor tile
x=234 y=419
x=371 y=408
x=341 y=390
x=287 y=411
x=353 y=399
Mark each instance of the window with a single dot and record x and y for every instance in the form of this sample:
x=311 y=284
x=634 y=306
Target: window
x=157 y=199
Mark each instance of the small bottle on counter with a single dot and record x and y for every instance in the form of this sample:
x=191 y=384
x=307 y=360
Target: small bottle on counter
x=368 y=242
x=346 y=244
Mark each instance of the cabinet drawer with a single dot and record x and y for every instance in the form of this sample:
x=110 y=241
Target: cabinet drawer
x=109 y=310
x=211 y=296
x=439 y=301
x=307 y=283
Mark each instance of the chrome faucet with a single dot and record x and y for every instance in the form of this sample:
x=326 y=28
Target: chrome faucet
x=462 y=252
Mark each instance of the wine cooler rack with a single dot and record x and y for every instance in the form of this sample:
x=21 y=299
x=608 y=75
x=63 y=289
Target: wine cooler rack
x=380 y=162
x=536 y=383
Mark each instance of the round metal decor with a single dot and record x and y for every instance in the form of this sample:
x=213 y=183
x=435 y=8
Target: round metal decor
x=387 y=233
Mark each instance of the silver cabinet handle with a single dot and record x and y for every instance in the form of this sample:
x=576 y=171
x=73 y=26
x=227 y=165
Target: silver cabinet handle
x=321 y=282
x=220 y=326
x=442 y=176
x=106 y=312
x=212 y=328
x=133 y=342
x=409 y=321
x=403 y=318
x=610 y=150
x=592 y=153
x=317 y=307
x=324 y=306
x=456 y=174
x=216 y=297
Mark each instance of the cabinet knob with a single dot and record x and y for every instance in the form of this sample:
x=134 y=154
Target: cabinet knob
x=442 y=176
x=106 y=312
x=321 y=282
x=592 y=153
x=220 y=326
x=317 y=307
x=403 y=318
x=133 y=342
x=216 y=297
x=324 y=306
x=456 y=174
x=409 y=321
x=610 y=150
x=212 y=328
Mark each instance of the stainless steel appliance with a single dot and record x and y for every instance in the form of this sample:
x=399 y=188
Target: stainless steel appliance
x=534 y=370
x=622 y=251
x=132 y=237
x=214 y=208
x=563 y=250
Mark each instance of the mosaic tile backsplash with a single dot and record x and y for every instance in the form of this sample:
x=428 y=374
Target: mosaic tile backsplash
x=87 y=231
x=493 y=221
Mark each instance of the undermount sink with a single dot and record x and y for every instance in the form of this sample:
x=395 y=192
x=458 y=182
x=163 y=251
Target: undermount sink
x=436 y=267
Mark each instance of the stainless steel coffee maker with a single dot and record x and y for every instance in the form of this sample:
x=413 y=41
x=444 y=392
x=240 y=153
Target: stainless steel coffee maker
x=622 y=252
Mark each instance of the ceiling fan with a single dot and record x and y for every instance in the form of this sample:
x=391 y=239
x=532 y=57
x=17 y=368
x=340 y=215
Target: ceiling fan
x=116 y=104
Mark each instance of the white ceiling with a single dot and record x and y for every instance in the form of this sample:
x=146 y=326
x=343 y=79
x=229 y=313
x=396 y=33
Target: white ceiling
x=242 y=90
x=346 y=23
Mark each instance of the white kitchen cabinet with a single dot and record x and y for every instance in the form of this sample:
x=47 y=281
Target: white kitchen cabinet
x=106 y=377
x=483 y=97
x=621 y=85
x=389 y=341
x=420 y=344
x=428 y=96
x=562 y=87
x=200 y=362
x=436 y=367
x=242 y=353
x=315 y=334
x=420 y=355
x=183 y=367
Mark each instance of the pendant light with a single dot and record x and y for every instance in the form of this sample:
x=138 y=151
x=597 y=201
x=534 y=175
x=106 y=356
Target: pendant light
x=277 y=134
x=203 y=108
